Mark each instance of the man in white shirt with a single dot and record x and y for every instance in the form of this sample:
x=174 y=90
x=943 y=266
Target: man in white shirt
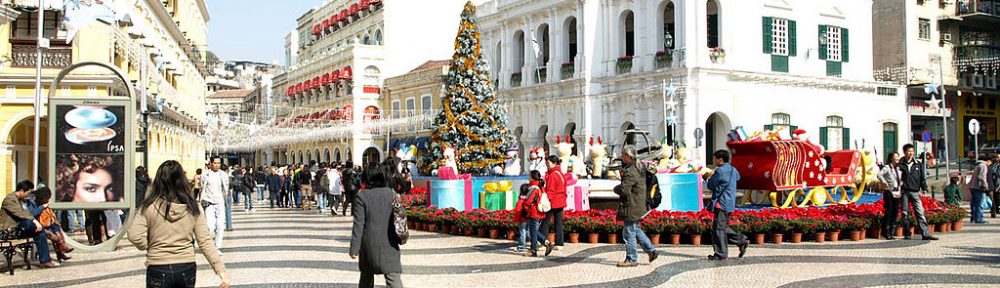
x=335 y=188
x=215 y=185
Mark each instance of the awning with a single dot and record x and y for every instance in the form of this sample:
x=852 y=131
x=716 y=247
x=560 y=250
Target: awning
x=423 y=143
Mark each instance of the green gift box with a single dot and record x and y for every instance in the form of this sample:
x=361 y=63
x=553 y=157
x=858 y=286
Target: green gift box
x=495 y=201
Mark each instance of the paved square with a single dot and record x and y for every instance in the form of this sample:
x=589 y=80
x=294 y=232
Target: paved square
x=285 y=248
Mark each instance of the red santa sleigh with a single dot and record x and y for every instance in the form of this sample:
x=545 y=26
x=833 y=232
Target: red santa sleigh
x=796 y=172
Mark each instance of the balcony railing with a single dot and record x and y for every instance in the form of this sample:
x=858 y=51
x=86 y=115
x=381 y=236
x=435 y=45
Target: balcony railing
x=26 y=55
x=968 y=7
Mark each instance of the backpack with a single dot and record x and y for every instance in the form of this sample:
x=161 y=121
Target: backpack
x=349 y=180
x=654 y=197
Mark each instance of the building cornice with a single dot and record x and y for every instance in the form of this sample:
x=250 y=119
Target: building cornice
x=204 y=10
x=175 y=31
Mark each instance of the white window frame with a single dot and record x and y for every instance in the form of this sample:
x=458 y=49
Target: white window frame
x=395 y=109
x=779 y=36
x=834 y=47
x=426 y=103
x=920 y=31
x=834 y=133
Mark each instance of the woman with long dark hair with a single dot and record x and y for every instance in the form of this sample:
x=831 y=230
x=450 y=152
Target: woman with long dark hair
x=371 y=239
x=890 y=177
x=166 y=225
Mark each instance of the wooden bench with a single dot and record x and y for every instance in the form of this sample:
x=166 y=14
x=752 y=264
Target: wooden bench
x=12 y=240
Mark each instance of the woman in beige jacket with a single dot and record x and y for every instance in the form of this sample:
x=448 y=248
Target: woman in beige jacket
x=167 y=224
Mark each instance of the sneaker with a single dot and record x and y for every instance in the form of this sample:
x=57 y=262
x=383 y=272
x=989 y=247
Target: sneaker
x=652 y=256
x=548 y=248
x=48 y=265
x=531 y=253
x=743 y=248
x=625 y=264
x=931 y=237
x=717 y=258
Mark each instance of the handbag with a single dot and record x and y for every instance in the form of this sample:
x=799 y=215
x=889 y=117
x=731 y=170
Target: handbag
x=544 y=205
x=987 y=203
x=399 y=219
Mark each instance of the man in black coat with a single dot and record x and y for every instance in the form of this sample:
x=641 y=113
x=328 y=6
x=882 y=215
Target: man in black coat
x=914 y=182
x=373 y=237
x=352 y=183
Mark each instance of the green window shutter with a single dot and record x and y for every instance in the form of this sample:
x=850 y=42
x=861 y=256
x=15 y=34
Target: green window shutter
x=847 y=138
x=779 y=63
x=845 y=45
x=768 y=127
x=822 y=47
x=834 y=68
x=768 y=26
x=792 y=129
x=792 y=39
x=822 y=137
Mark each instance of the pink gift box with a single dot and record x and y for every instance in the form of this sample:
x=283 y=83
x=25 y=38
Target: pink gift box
x=577 y=198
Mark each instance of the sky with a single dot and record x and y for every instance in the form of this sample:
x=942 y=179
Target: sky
x=253 y=30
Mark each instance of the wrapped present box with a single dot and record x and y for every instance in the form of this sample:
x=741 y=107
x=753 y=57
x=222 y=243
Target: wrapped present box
x=577 y=198
x=494 y=201
x=680 y=192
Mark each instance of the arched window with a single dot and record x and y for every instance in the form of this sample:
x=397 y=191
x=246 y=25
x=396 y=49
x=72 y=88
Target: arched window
x=668 y=35
x=713 y=23
x=518 y=51
x=372 y=75
x=834 y=136
x=543 y=39
x=890 y=140
x=628 y=33
x=367 y=40
x=378 y=37
x=570 y=28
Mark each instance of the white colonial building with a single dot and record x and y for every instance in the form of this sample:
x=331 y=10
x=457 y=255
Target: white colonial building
x=338 y=59
x=602 y=65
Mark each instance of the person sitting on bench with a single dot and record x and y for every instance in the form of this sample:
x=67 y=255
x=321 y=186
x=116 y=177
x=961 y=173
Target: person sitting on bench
x=14 y=215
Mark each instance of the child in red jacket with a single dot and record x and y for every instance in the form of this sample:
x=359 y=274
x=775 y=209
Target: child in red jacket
x=531 y=195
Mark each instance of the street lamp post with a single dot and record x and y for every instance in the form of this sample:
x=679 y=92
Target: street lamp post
x=42 y=43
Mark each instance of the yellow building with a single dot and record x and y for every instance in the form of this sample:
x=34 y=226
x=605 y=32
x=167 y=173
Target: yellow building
x=415 y=98
x=160 y=45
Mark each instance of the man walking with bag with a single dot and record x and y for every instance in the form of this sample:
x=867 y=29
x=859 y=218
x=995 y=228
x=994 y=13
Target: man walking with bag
x=215 y=185
x=632 y=208
x=723 y=186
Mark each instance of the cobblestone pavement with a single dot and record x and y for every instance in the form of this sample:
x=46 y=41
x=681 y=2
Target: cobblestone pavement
x=286 y=248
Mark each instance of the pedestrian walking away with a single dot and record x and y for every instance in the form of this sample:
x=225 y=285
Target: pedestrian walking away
x=723 y=185
x=167 y=225
x=372 y=242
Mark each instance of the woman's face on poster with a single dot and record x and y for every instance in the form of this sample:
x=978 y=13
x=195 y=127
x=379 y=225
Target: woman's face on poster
x=93 y=187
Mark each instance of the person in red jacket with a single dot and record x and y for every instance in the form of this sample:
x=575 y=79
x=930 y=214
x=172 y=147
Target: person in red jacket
x=555 y=189
x=527 y=211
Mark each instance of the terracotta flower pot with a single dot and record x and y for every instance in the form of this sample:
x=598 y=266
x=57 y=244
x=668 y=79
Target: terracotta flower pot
x=863 y=233
x=455 y=230
x=468 y=231
x=445 y=228
x=834 y=235
x=433 y=227
x=898 y=232
x=675 y=239
x=875 y=233
x=932 y=227
x=696 y=239
x=552 y=237
x=944 y=227
x=411 y=225
x=612 y=238
x=494 y=233
x=957 y=225
x=913 y=230
x=574 y=238
x=796 y=238
x=593 y=238
x=655 y=238
x=820 y=237
x=422 y=226
x=511 y=235
x=778 y=238
x=759 y=238
x=481 y=232
x=855 y=235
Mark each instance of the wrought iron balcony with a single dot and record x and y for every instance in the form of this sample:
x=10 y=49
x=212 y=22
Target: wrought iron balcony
x=56 y=57
x=988 y=10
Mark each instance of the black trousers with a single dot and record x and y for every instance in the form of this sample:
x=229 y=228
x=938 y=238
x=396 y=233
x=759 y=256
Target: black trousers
x=557 y=216
x=722 y=235
x=172 y=275
x=348 y=199
x=274 y=196
x=891 y=206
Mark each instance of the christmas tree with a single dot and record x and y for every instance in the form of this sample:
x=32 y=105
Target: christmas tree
x=470 y=120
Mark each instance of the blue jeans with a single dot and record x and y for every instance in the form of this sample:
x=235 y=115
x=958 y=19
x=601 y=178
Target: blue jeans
x=321 y=202
x=536 y=236
x=976 y=204
x=74 y=218
x=248 y=201
x=41 y=241
x=171 y=275
x=229 y=217
x=298 y=197
x=522 y=234
x=260 y=192
x=631 y=233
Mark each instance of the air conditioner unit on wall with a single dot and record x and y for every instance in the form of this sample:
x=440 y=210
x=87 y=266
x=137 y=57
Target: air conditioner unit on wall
x=945 y=37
